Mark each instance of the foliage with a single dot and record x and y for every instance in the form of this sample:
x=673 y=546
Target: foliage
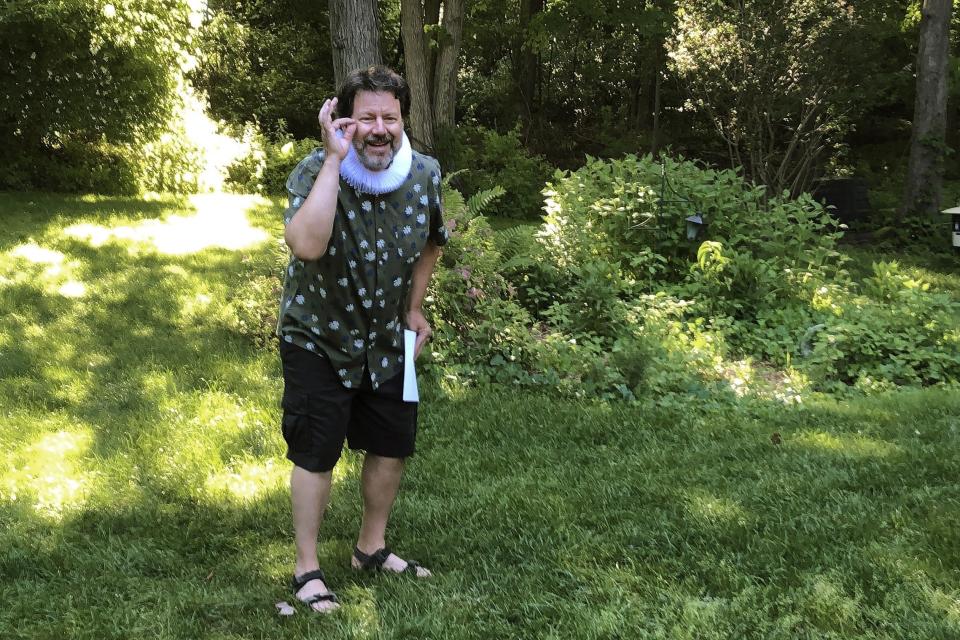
x=767 y=77
x=83 y=77
x=267 y=63
x=487 y=159
x=267 y=164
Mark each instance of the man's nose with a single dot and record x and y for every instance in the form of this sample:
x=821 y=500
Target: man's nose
x=378 y=127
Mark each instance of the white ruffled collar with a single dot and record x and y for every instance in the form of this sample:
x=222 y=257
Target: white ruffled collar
x=378 y=182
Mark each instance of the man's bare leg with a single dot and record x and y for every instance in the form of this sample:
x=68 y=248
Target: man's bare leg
x=309 y=494
x=379 y=483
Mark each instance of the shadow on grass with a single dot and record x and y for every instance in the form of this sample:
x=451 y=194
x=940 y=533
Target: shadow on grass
x=542 y=518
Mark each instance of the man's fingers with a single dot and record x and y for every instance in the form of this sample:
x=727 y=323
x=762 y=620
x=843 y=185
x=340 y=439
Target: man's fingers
x=341 y=123
x=348 y=132
x=422 y=338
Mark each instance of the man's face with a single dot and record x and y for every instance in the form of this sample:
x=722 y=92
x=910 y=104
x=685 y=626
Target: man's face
x=379 y=128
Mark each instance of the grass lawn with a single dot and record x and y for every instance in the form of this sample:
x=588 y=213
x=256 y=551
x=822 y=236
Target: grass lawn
x=142 y=477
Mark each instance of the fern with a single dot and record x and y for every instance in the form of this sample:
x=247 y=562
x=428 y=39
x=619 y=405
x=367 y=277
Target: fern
x=479 y=201
x=517 y=247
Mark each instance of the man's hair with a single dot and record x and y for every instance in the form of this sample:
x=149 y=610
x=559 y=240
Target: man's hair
x=376 y=78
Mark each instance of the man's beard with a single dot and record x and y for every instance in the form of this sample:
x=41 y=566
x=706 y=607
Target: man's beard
x=376 y=162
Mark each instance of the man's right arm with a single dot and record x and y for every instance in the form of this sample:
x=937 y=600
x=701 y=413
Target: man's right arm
x=308 y=232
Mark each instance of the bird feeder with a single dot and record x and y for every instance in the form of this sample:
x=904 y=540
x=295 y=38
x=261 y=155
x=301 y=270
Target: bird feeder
x=694 y=225
x=954 y=213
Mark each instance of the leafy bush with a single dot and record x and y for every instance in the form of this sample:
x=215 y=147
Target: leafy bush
x=267 y=165
x=488 y=159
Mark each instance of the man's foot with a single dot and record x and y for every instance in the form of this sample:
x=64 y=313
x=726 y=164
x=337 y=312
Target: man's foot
x=310 y=588
x=385 y=560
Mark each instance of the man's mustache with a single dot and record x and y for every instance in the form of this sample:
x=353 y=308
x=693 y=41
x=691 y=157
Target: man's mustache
x=378 y=139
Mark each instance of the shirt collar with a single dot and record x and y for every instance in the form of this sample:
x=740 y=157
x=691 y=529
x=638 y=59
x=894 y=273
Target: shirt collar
x=377 y=182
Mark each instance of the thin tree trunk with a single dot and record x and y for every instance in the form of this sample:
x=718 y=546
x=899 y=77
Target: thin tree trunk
x=417 y=75
x=354 y=36
x=445 y=78
x=927 y=143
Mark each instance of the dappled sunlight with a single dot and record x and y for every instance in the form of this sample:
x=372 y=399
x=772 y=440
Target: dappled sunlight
x=220 y=222
x=715 y=510
x=246 y=481
x=855 y=445
x=948 y=604
x=47 y=473
x=55 y=277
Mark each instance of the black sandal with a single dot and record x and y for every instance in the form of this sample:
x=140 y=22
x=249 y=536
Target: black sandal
x=375 y=560
x=299 y=582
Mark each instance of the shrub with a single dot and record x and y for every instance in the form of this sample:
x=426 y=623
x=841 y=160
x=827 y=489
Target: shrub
x=488 y=159
x=264 y=169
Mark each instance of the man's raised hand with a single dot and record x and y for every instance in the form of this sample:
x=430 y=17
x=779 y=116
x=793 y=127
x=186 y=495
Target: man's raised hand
x=332 y=143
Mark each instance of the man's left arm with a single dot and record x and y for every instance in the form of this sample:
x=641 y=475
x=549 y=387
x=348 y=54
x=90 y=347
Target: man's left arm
x=422 y=270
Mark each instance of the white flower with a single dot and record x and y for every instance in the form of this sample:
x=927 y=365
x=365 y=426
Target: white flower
x=364 y=244
x=342 y=372
x=311 y=346
x=421 y=218
x=436 y=180
x=347 y=383
x=424 y=200
x=353 y=264
x=372 y=336
x=383 y=204
x=399 y=252
x=385 y=256
x=358 y=344
x=378 y=293
x=370 y=256
x=350 y=307
x=334 y=325
x=290 y=270
x=391 y=324
x=373 y=378
x=332 y=251
x=381 y=244
x=323 y=292
x=362 y=291
x=383 y=304
x=406 y=230
x=300 y=299
x=350 y=216
x=367 y=303
x=342 y=282
x=417 y=188
x=316 y=330
x=397 y=281
x=288 y=338
x=312 y=288
x=408 y=211
x=314 y=318
x=400 y=359
x=366 y=206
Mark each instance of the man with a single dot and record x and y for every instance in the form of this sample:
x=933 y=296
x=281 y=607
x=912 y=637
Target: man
x=365 y=229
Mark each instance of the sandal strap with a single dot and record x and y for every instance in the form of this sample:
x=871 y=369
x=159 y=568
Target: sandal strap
x=374 y=560
x=300 y=581
x=329 y=596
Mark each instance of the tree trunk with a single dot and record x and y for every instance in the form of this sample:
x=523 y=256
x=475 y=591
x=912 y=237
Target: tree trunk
x=927 y=143
x=528 y=69
x=354 y=36
x=445 y=76
x=417 y=73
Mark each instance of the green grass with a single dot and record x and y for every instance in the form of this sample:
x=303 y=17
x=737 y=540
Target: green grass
x=142 y=478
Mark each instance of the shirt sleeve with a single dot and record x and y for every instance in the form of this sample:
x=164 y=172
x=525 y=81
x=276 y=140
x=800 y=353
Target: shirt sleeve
x=438 y=230
x=300 y=182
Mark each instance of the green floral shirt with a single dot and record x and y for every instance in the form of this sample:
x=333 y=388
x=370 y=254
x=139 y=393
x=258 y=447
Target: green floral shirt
x=349 y=304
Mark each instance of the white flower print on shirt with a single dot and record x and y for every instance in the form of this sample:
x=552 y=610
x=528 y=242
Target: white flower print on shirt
x=370 y=256
x=350 y=216
x=436 y=180
x=349 y=307
x=397 y=281
x=362 y=291
x=407 y=230
x=353 y=264
x=417 y=188
x=421 y=218
x=367 y=303
x=378 y=293
x=358 y=344
x=314 y=318
x=384 y=363
x=424 y=200
x=342 y=282
x=364 y=244
x=408 y=211
x=300 y=298
x=366 y=205
x=332 y=251
x=381 y=243
x=334 y=325
x=311 y=346
x=342 y=372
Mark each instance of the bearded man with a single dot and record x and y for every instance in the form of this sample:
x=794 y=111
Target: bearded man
x=365 y=228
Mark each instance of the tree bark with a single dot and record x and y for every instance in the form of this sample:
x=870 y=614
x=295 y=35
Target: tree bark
x=354 y=36
x=927 y=143
x=418 y=74
x=445 y=77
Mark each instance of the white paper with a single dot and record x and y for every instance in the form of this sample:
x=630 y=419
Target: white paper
x=410 y=393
